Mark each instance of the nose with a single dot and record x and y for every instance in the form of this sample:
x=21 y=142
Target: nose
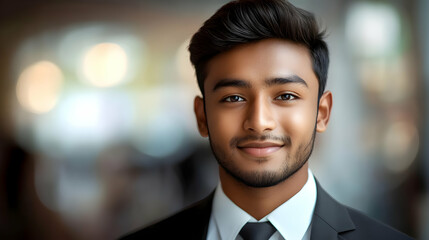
x=260 y=117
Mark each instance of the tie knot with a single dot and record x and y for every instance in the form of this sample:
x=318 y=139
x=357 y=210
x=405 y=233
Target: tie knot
x=257 y=231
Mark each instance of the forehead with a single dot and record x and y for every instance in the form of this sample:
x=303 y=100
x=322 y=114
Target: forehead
x=262 y=60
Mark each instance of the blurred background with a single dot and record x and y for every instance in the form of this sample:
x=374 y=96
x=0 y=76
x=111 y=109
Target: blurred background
x=98 y=137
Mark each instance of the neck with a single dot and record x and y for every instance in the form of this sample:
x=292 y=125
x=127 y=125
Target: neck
x=259 y=202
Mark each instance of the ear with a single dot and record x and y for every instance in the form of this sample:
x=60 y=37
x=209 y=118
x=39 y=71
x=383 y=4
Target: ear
x=200 y=115
x=324 y=111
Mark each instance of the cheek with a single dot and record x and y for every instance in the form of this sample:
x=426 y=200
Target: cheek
x=298 y=122
x=222 y=124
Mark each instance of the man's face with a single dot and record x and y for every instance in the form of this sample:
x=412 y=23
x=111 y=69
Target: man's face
x=261 y=110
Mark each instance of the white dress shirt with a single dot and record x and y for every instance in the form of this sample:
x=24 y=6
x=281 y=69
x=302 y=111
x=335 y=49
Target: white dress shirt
x=292 y=219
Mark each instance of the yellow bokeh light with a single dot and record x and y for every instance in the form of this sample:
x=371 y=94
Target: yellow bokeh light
x=39 y=86
x=105 y=65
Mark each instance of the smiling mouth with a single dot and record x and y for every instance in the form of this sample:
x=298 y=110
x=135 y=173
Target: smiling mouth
x=260 y=149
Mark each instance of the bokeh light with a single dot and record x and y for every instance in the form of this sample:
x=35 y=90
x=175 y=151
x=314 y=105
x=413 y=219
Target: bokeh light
x=373 y=29
x=75 y=43
x=90 y=119
x=105 y=65
x=400 y=146
x=163 y=129
x=39 y=86
x=389 y=80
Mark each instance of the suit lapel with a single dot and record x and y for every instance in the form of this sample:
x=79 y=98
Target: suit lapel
x=321 y=230
x=330 y=218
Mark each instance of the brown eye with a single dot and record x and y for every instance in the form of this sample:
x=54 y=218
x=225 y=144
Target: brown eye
x=234 y=98
x=286 y=97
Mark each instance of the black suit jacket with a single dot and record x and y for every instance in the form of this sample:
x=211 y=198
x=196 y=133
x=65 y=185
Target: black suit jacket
x=331 y=220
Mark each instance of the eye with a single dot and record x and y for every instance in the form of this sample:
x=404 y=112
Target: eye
x=286 y=97
x=233 y=98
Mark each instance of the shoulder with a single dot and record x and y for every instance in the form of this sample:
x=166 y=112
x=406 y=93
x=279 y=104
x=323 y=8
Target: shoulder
x=331 y=218
x=190 y=223
x=369 y=228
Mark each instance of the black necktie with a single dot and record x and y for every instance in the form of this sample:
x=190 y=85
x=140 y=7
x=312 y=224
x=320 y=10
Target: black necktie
x=257 y=231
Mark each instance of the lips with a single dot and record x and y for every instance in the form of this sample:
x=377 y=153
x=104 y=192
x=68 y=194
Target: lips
x=260 y=149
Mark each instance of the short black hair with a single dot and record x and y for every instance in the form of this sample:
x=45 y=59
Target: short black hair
x=245 y=21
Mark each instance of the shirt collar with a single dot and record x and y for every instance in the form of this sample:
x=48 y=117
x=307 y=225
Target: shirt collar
x=229 y=218
x=291 y=219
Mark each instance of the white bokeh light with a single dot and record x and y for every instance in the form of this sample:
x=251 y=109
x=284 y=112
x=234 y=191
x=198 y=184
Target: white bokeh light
x=373 y=29
x=85 y=119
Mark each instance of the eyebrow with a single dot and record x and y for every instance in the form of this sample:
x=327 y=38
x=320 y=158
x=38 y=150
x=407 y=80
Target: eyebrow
x=285 y=80
x=227 y=82
x=231 y=83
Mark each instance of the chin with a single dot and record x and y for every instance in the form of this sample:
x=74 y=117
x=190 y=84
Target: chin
x=261 y=179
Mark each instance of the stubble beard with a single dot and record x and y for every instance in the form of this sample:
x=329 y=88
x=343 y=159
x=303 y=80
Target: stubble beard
x=260 y=179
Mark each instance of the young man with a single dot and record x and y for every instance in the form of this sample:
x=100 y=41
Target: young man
x=262 y=66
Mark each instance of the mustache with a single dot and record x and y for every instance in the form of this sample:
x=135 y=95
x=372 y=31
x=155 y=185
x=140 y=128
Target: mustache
x=265 y=137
